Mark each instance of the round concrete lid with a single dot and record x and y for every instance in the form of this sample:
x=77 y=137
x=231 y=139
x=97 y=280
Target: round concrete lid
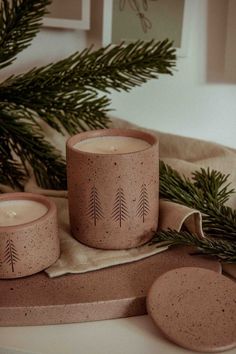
x=195 y=308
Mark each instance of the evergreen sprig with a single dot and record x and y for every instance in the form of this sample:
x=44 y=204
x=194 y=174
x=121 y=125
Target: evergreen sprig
x=224 y=250
x=20 y=21
x=24 y=139
x=69 y=95
x=208 y=191
x=14 y=174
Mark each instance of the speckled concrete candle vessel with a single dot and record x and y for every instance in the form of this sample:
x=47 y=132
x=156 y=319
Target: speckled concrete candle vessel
x=113 y=198
x=28 y=247
x=195 y=308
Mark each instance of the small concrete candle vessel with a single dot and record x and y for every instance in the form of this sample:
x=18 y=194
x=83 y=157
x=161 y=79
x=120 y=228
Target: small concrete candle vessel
x=113 y=187
x=29 y=239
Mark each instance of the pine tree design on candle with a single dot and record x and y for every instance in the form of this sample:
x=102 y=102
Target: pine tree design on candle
x=94 y=208
x=120 y=210
x=10 y=254
x=143 y=203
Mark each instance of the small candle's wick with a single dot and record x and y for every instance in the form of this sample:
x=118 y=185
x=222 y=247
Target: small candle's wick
x=11 y=214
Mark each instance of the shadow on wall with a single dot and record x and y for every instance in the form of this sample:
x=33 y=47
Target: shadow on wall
x=221 y=49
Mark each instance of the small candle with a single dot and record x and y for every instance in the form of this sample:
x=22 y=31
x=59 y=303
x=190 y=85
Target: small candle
x=20 y=211
x=112 y=145
x=29 y=239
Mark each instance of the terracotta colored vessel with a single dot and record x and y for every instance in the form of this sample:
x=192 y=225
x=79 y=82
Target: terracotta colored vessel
x=178 y=305
x=30 y=247
x=113 y=199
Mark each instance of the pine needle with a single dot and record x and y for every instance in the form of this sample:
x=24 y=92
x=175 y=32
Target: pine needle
x=20 y=21
x=26 y=141
x=207 y=192
x=222 y=249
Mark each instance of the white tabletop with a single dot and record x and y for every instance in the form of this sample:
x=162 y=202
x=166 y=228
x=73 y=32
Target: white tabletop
x=134 y=335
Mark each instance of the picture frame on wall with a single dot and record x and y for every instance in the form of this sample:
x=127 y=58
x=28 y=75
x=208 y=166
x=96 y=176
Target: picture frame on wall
x=70 y=14
x=131 y=20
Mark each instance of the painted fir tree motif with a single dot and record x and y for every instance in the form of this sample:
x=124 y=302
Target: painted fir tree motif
x=10 y=254
x=143 y=203
x=120 y=210
x=95 y=208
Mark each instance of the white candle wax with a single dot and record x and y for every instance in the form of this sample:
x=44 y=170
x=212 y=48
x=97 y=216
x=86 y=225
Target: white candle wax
x=20 y=211
x=112 y=145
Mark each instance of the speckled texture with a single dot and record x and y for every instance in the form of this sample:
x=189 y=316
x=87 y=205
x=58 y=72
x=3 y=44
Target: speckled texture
x=113 y=292
x=195 y=308
x=29 y=248
x=113 y=199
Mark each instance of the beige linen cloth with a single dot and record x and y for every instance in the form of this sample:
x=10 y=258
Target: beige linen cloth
x=183 y=154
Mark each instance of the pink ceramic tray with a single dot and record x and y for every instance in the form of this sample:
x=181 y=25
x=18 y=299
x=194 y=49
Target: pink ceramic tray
x=114 y=292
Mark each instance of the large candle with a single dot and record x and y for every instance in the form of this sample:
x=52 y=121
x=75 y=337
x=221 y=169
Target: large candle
x=113 y=179
x=112 y=145
x=17 y=212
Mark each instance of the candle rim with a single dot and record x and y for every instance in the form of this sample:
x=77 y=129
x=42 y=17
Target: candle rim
x=50 y=205
x=112 y=132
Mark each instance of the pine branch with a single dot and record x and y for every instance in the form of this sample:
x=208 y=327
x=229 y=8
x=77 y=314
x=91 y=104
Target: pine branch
x=65 y=93
x=20 y=21
x=220 y=222
x=125 y=66
x=224 y=250
x=119 y=67
x=73 y=111
x=213 y=185
x=206 y=193
x=11 y=171
x=27 y=142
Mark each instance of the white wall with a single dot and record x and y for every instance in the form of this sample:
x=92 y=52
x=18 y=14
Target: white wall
x=196 y=101
x=187 y=103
